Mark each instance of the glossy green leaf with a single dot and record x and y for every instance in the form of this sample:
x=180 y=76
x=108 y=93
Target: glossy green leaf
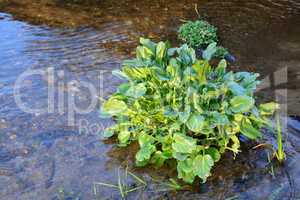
x=214 y=153
x=209 y=51
x=236 y=88
x=249 y=131
x=159 y=158
x=160 y=51
x=202 y=165
x=202 y=68
x=219 y=119
x=221 y=68
x=185 y=170
x=183 y=144
x=136 y=91
x=149 y=44
x=114 y=107
x=196 y=122
x=268 y=108
x=124 y=136
x=145 y=153
x=241 y=104
x=183 y=109
x=120 y=74
x=145 y=139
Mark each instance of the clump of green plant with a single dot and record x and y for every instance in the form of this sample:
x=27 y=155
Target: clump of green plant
x=179 y=107
x=198 y=34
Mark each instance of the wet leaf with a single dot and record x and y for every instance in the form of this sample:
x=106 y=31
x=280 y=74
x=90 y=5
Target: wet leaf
x=114 y=107
x=120 y=74
x=145 y=139
x=241 y=104
x=202 y=165
x=145 y=152
x=160 y=51
x=136 y=91
x=185 y=170
x=219 y=119
x=184 y=116
x=124 y=136
x=107 y=133
x=268 y=108
x=196 y=122
x=221 y=68
x=214 y=153
x=236 y=88
x=183 y=144
x=159 y=158
x=249 y=131
x=209 y=51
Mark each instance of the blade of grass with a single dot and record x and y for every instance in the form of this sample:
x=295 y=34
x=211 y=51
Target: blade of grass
x=106 y=184
x=134 y=189
x=280 y=151
x=137 y=178
x=120 y=185
x=271 y=166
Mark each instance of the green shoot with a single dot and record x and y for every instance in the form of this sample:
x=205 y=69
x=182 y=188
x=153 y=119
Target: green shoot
x=280 y=151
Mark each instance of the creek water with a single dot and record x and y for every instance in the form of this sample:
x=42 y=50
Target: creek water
x=51 y=150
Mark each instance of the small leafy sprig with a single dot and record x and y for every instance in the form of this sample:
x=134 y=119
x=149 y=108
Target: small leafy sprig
x=179 y=107
x=198 y=34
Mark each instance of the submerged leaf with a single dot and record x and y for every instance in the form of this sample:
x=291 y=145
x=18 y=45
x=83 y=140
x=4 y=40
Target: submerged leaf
x=107 y=133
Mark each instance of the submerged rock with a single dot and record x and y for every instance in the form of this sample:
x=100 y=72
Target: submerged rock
x=294 y=122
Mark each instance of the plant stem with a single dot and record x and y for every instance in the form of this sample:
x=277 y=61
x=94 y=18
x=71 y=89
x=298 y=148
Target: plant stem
x=280 y=151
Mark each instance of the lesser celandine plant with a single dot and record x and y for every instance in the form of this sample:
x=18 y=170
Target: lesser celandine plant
x=182 y=108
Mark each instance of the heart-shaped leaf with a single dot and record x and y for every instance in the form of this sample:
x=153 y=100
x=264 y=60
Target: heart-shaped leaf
x=202 y=165
x=241 y=104
x=196 y=122
x=114 y=107
x=183 y=144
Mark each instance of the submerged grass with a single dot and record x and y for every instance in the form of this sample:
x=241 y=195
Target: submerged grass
x=124 y=188
x=276 y=153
